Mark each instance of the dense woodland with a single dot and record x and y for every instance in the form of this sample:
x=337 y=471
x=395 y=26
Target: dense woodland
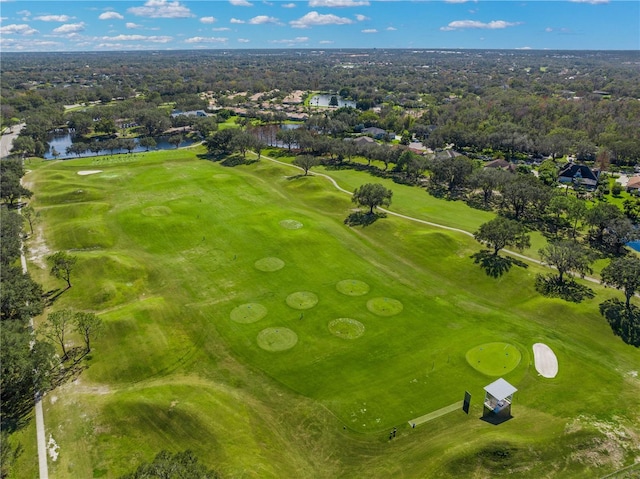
x=530 y=103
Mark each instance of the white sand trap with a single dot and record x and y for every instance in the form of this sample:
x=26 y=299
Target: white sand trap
x=545 y=360
x=89 y=172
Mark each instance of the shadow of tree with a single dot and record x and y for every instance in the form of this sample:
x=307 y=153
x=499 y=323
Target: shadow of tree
x=625 y=322
x=548 y=285
x=298 y=177
x=359 y=218
x=494 y=265
x=50 y=296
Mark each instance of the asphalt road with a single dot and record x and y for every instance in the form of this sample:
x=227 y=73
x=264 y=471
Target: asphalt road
x=6 y=140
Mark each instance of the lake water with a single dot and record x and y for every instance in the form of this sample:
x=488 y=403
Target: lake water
x=61 y=142
x=323 y=100
x=634 y=245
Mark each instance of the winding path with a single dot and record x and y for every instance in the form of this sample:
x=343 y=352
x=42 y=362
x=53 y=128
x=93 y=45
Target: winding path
x=424 y=222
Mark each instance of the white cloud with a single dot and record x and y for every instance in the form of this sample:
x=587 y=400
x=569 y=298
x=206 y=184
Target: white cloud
x=236 y=20
x=208 y=20
x=136 y=38
x=25 y=13
x=131 y=25
x=314 y=18
x=292 y=41
x=592 y=2
x=221 y=29
x=369 y=30
x=240 y=3
x=18 y=29
x=456 y=1
x=288 y=5
x=262 y=19
x=391 y=29
x=69 y=28
x=161 y=9
x=548 y=29
x=362 y=18
x=338 y=3
x=206 y=40
x=524 y=48
x=463 y=24
x=243 y=40
x=110 y=16
x=325 y=42
x=53 y=18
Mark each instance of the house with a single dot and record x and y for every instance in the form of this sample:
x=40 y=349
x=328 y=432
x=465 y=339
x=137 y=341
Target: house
x=501 y=164
x=633 y=185
x=377 y=133
x=579 y=175
x=364 y=140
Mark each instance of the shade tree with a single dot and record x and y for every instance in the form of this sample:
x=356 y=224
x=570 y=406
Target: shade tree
x=567 y=257
x=62 y=265
x=623 y=273
x=501 y=232
x=372 y=195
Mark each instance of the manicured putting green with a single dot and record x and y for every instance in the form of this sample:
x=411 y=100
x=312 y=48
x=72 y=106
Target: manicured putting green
x=248 y=313
x=384 y=306
x=156 y=211
x=277 y=339
x=291 y=224
x=352 y=287
x=346 y=328
x=302 y=300
x=494 y=359
x=269 y=264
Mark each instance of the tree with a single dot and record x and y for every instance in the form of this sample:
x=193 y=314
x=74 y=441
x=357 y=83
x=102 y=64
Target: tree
x=501 y=232
x=599 y=217
x=567 y=257
x=62 y=264
x=179 y=465
x=88 y=325
x=623 y=273
x=618 y=233
x=488 y=180
x=451 y=172
x=30 y=215
x=372 y=195
x=20 y=295
x=57 y=327
x=11 y=172
x=147 y=142
x=548 y=172
x=306 y=162
x=175 y=140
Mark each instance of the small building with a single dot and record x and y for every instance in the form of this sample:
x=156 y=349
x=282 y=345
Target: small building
x=580 y=175
x=377 y=133
x=364 y=140
x=501 y=164
x=633 y=185
x=497 y=401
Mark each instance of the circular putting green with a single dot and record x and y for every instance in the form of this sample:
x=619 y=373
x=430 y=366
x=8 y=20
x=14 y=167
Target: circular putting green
x=248 y=313
x=494 y=359
x=269 y=264
x=277 y=339
x=291 y=224
x=302 y=300
x=352 y=287
x=156 y=211
x=384 y=306
x=346 y=328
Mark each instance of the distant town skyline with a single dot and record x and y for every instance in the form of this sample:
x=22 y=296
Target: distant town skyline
x=77 y=25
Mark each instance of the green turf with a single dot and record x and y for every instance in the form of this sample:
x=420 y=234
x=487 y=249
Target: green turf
x=494 y=359
x=176 y=369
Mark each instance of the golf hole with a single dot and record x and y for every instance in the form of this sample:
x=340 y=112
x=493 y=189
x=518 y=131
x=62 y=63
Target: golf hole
x=384 y=306
x=346 y=328
x=352 y=287
x=269 y=264
x=302 y=300
x=248 y=313
x=277 y=339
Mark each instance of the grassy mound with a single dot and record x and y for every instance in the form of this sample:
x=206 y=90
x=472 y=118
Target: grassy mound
x=277 y=339
x=352 y=287
x=384 y=306
x=302 y=300
x=156 y=211
x=291 y=224
x=248 y=313
x=269 y=264
x=346 y=328
x=494 y=359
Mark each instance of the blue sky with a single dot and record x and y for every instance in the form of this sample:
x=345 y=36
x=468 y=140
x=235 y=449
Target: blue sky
x=318 y=24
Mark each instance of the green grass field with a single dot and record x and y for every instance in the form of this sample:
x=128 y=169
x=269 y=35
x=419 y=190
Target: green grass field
x=246 y=322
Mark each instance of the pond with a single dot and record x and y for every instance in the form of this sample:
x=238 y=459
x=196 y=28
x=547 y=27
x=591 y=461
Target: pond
x=61 y=141
x=324 y=100
x=634 y=245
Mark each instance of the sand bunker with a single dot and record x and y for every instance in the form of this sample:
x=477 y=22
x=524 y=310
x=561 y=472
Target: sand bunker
x=545 y=360
x=89 y=172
